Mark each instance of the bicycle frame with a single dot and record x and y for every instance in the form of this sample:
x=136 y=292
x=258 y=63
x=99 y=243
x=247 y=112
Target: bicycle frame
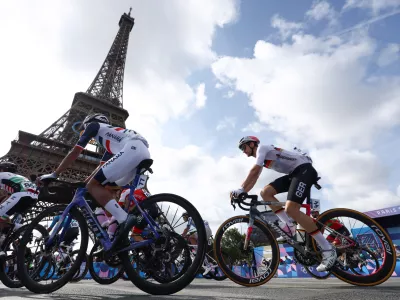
x=254 y=213
x=94 y=225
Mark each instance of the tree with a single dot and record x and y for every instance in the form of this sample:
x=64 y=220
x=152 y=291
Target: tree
x=232 y=246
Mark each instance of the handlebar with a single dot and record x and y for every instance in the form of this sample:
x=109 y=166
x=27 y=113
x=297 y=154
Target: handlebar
x=242 y=197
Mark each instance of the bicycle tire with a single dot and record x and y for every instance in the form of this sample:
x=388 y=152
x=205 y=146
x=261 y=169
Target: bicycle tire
x=213 y=275
x=30 y=283
x=249 y=282
x=95 y=277
x=3 y=275
x=183 y=281
x=385 y=271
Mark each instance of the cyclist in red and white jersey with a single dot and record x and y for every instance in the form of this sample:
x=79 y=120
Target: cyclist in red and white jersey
x=125 y=149
x=299 y=177
x=18 y=194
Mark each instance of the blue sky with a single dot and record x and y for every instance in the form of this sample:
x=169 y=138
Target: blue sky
x=320 y=75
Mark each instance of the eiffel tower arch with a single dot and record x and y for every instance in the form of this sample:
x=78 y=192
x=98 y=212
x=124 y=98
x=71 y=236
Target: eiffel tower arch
x=41 y=154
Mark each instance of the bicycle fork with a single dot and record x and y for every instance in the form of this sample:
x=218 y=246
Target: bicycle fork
x=248 y=233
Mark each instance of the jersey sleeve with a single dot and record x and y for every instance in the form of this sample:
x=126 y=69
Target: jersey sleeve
x=90 y=132
x=107 y=155
x=262 y=151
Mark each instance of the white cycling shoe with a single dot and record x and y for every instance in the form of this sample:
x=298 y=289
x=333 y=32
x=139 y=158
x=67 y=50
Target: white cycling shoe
x=328 y=260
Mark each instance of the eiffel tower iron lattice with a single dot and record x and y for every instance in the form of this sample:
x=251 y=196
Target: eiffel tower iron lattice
x=41 y=154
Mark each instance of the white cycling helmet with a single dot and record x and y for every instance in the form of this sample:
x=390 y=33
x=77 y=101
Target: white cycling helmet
x=100 y=118
x=248 y=139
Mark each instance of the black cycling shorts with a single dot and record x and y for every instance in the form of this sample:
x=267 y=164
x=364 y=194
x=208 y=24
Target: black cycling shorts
x=297 y=184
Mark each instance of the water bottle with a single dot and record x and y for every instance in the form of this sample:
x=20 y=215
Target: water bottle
x=300 y=234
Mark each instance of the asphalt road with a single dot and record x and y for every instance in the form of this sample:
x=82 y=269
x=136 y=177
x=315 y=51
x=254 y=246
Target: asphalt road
x=202 y=289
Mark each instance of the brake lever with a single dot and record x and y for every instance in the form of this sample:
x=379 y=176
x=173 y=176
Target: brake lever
x=233 y=204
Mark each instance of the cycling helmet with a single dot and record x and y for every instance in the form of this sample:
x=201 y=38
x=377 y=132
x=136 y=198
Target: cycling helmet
x=185 y=214
x=8 y=167
x=248 y=139
x=100 y=118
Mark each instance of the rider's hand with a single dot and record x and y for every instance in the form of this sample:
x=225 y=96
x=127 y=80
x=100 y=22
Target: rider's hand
x=48 y=176
x=235 y=193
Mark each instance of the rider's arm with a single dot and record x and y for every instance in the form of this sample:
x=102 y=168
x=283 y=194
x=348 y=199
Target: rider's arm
x=252 y=178
x=256 y=170
x=90 y=132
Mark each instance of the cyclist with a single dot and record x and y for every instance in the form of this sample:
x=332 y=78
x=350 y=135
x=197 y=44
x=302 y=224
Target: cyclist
x=299 y=176
x=18 y=194
x=125 y=149
x=190 y=232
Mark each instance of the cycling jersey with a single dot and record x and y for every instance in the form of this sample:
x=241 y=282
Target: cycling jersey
x=192 y=228
x=140 y=195
x=125 y=149
x=13 y=183
x=334 y=224
x=22 y=194
x=280 y=160
x=111 y=138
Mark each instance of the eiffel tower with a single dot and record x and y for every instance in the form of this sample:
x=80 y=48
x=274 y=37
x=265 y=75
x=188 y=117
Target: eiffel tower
x=41 y=154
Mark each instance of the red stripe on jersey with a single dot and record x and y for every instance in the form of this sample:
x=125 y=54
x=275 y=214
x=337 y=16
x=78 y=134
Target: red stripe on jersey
x=119 y=129
x=267 y=163
x=108 y=146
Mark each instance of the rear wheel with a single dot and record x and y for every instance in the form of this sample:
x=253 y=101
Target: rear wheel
x=363 y=233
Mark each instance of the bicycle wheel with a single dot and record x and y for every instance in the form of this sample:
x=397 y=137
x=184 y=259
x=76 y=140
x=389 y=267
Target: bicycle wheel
x=62 y=277
x=229 y=239
x=103 y=277
x=353 y=244
x=8 y=273
x=159 y=258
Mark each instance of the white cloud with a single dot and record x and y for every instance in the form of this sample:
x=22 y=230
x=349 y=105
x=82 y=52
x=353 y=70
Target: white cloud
x=389 y=55
x=358 y=178
x=254 y=127
x=57 y=51
x=376 y=6
x=317 y=93
x=226 y=123
x=322 y=10
x=229 y=95
x=300 y=89
x=200 y=96
x=285 y=28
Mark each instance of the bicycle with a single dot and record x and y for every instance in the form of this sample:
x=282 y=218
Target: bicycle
x=209 y=262
x=156 y=249
x=306 y=250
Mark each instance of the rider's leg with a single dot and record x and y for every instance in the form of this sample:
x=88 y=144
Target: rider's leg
x=120 y=166
x=302 y=180
x=280 y=185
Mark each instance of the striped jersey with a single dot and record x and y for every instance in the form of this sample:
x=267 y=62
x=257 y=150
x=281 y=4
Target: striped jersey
x=111 y=138
x=280 y=160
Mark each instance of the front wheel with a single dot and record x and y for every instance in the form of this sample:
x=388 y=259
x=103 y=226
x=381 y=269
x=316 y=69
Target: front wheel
x=240 y=264
x=67 y=266
x=161 y=258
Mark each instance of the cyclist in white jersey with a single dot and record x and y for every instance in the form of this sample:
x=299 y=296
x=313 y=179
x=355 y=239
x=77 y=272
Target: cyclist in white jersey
x=299 y=177
x=18 y=195
x=125 y=149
